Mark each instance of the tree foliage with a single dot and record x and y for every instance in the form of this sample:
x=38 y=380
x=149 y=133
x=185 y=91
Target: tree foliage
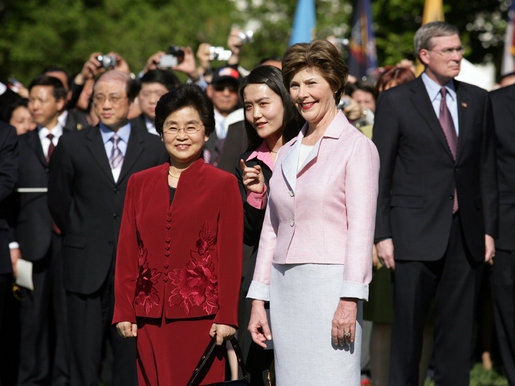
x=37 y=33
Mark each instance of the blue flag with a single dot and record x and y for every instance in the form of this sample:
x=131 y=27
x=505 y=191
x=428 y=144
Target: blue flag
x=363 y=57
x=304 y=23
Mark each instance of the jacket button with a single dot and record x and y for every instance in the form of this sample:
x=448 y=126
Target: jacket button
x=167 y=253
x=115 y=190
x=115 y=215
x=451 y=197
x=166 y=266
x=168 y=241
x=165 y=279
x=292 y=223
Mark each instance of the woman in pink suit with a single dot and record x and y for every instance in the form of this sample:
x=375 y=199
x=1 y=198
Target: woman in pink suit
x=178 y=265
x=315 y=250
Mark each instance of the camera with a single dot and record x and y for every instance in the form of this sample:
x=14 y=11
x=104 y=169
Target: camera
x=176 y=56
x=219 y=53
x=344 y=103
x=106 y=61
x=246 y=37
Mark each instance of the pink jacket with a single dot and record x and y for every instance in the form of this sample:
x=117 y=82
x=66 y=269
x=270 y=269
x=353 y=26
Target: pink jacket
x=325 y=214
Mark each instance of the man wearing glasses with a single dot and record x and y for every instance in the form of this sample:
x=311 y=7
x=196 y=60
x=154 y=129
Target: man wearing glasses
x=89 y=172
x=437 y=206
x=223 y=92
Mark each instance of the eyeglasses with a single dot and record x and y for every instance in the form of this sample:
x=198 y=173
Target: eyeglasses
x=223 y=86
x=113 y=99
x=447 y=52
x=189 y=130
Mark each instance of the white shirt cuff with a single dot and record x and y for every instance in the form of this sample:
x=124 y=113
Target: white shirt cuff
x=356 y=290
x=259 y=291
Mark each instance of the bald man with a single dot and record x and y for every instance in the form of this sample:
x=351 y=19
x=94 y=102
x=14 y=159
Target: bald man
x=89 y=172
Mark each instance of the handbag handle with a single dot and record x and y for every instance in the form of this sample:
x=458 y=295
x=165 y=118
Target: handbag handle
x=206 y=357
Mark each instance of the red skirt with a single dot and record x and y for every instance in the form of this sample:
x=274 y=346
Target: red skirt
x=169 y=350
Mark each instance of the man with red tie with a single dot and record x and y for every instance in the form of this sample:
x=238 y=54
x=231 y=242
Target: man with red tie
x=437 y=206
x=42 y=322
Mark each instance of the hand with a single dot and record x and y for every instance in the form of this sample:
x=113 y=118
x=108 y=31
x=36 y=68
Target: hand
x=258 y=324
x=204 y=57
x=253 y=178
x=153 y=61
x=121 y=64
x=91 y=68
x=489 y=249
x=15 y=256
x=127 y=329
x=188 y=65
x=222 y=332
x=385 y=253
x=234 y=44
x=375 y=259
x=344 y=322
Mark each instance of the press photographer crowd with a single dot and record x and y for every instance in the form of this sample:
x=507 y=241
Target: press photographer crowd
x=195 y=222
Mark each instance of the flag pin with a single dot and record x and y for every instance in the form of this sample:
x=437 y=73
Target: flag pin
x=464 y=104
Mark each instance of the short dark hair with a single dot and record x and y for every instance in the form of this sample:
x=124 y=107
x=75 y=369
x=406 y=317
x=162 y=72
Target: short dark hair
x=58 y=90
x=7 y=113
x=69 y=79
x=319 y=54
x=166 y=78
x=272 y=77
x=186 y=95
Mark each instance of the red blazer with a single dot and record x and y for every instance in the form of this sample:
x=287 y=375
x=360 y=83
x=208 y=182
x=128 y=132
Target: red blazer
x=184 y=258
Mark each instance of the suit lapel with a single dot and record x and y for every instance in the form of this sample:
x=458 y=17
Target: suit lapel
x=289 y=162
x=135 y=148
x=422 y=103
x=464 y=106
x=97 y=149
x=35 y=144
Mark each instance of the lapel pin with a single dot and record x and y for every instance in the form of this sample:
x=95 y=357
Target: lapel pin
x=464 y=104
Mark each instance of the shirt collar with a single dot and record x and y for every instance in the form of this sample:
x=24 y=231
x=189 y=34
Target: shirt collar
x=263 y=154
x=433 y=88
x=124 y=132
x=43 y=132
x=62 y=118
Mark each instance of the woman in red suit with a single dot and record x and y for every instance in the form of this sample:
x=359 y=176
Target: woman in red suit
x=178 y=265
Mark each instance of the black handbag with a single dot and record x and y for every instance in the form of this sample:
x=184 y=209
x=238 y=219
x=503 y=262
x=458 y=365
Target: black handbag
x=206 y=359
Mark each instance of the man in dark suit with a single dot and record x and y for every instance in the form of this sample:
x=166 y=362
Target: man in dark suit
x=502 y=277
x=8 y=176
x=42 y=321
x=437 y=206
x=88 y=179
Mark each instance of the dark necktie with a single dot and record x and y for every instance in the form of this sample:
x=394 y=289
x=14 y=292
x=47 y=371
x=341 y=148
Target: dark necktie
x=116 y=158
x=447 y=124
x=450 y=134
x=51 y=147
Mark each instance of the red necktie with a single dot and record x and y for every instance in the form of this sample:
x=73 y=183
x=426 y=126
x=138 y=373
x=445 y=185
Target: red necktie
x=51 y=147
x=450 y=134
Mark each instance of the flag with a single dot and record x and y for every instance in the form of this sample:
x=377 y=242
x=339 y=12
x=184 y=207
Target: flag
x=362 y=45
x=508 y=58
x=433 y=11
x=303 y=30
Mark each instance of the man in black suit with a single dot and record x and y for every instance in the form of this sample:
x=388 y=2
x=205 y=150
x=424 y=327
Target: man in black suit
x=42 y=321
x=437 y=206
x=8 y=176
x=502 y=277
x=88 y=179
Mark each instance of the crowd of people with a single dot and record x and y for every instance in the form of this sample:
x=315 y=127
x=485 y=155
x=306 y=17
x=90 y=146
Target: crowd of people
x=143 y=219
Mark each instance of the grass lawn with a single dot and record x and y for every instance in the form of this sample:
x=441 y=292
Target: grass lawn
x=481 y=377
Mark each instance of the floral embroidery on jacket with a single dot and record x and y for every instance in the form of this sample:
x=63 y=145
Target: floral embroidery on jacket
x=196 y=284
x=146 y=293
